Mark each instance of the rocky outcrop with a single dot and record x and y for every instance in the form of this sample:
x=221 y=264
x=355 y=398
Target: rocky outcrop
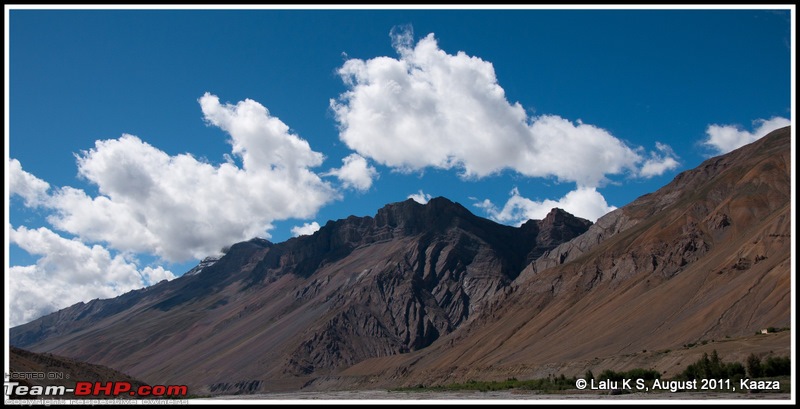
x=558 y=227
x=451 y=263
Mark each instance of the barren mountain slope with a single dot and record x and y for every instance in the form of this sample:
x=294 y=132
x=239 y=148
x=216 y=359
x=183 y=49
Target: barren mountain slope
x=705 y=258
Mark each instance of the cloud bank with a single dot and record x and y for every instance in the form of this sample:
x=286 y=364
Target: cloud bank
x=429 y=108
x=175 y=207
x=68 y=272
x=178 y=207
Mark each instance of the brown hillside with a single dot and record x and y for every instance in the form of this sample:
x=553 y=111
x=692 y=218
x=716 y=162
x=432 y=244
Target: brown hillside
x=706 y=258
x=32 y=369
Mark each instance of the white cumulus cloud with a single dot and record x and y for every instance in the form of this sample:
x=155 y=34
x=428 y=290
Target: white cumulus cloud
x=30 y=188
x=725 y=138
x=585 y=202
x=263 y=141
x=68 y=272
x=179 y=207
x=420 y=197
x=428 y=108
x=306 y=229
x=355 y=173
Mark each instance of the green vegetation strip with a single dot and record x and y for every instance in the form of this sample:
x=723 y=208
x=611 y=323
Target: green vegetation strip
x=707 y=367
x=543 y=384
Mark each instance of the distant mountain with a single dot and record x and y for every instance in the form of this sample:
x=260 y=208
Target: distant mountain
x=272 y=316
x=705 y=259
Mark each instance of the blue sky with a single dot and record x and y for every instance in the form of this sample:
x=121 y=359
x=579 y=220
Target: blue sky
x=142 y=140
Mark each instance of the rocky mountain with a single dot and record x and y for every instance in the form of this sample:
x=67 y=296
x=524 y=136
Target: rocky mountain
x=704 y=260
x=271 y=316
x=433 y=294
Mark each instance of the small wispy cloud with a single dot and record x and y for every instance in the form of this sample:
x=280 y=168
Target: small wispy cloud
x=659 y=163
x=583 y=202
x=355 y=173
x=725 y=138
x=420 y=197
x=306 y=229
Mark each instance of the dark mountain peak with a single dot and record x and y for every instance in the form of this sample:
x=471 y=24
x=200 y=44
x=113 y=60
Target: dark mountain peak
x=557 y=227
x=416 y=217
x=562 y=218
x=441 y=202
x=337 y=239
x=258 y=241
x=303 y=255
x=556 y=218
x=557 y=213
x=253 y=244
